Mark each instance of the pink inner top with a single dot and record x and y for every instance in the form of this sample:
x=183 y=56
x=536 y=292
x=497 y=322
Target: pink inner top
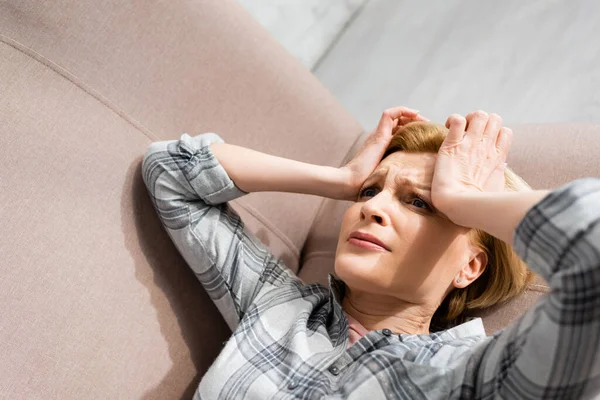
x=355 y=331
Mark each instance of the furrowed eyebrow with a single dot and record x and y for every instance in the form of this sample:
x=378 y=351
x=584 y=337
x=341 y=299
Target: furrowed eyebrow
x=382 y=172
x=376 y=175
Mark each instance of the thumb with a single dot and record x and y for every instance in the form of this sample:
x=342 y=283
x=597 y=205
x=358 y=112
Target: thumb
x=373 y=149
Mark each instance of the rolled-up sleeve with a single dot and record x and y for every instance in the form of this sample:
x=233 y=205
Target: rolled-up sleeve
x=190 y=190
x=552 y=351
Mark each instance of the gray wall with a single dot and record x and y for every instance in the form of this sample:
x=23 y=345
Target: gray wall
x=306 y=28
x=527 y=61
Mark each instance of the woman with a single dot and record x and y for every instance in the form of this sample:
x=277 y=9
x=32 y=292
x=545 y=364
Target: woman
x=409 y=252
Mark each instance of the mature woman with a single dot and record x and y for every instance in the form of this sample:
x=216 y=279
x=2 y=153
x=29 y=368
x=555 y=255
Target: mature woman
x=427 y=239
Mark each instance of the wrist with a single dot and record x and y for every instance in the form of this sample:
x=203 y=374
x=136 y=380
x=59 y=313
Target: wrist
x=347 y=190
x=450 y=206
x=497 y=213
x=336 y=183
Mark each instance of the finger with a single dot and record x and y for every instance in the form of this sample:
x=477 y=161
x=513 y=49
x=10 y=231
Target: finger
x=397 y=112
x=406 y=120
x=386 y=125
x=456 y=124
x=476 y=122
x=503 y=142
x=492 y=129
x=450 y=118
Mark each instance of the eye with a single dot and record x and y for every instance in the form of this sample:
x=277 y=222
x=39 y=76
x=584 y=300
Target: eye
x=365 y=191
x=417 y=201
x=420 y=203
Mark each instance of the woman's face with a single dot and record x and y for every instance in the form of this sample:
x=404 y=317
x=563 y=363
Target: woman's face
x=424 y=249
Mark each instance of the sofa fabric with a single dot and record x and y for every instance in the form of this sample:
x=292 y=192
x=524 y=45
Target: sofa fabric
x=95 y=301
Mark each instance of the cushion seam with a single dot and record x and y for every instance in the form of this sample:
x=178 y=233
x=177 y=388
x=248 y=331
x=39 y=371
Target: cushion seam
x=79 y=83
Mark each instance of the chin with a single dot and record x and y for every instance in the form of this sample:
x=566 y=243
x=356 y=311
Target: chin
x=358 y=271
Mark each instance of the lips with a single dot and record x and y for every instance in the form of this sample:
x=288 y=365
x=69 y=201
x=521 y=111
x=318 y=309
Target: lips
x=367 y=237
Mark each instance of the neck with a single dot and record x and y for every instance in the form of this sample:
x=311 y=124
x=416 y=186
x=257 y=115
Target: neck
x=376 y=312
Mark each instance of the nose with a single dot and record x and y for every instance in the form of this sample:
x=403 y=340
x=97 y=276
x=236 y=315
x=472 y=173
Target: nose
x=374 y=209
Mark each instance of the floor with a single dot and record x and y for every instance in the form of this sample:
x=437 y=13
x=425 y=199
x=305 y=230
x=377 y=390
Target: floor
x=535 y=61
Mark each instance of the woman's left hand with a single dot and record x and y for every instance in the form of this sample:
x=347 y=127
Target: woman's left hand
x=356 y=172
x=471 y=159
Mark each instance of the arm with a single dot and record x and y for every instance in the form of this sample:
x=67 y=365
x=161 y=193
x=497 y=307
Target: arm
x=495 y=213
x=191 y=180
x=551 y=352
x=190 y=190
x=253 y=171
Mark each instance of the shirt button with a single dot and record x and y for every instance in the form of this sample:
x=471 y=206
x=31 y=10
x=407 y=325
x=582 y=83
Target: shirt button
x=334 y=370
x=293 y=384
x=387 y=332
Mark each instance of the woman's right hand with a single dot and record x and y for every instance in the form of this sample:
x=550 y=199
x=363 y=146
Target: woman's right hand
x=356 y=172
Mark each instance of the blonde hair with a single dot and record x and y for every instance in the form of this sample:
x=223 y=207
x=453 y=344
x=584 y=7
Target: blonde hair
x=505 y=275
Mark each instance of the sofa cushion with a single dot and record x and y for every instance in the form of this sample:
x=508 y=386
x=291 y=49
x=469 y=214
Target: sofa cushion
x=180 y=66
x=95 y=300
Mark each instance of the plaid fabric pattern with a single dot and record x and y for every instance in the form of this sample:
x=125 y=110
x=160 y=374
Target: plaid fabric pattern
x=290 y=338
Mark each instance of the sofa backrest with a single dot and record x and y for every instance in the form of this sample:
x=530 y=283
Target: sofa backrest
x=95 y=301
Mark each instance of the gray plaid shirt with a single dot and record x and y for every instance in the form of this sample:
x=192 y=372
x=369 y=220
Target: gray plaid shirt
x=290 y=338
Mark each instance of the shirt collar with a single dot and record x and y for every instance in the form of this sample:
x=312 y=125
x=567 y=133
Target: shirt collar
x=337 y=288
x=474 y=327
x=470 y=328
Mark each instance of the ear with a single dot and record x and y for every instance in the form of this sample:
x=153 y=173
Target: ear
x=471 y=270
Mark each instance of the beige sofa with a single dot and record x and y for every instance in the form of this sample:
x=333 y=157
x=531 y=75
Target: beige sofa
x=95 y=301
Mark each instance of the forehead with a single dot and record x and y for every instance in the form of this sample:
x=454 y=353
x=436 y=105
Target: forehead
x=421 y=164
